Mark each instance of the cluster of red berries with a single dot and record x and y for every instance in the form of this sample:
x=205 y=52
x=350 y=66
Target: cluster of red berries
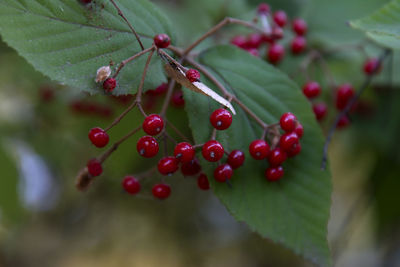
x=91 y=108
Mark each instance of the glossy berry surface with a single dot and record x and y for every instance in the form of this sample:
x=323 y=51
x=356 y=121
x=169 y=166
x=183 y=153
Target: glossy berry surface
x=213 y=151
x=239 y=41
x=299 y=130
x=94 y=167
x=98 y=137
x=259 y=149
x=131 y=185
x=177 y=99
x=162 y=40
x=311 y=89
x=161 y=191
x=288 y=140
x=167 y=165
x=294 y=150
x=184 y=152
x=190 y=168
x=202 y=182
x=280 y=18
x=298 y=45
x=236 y=159
x=193 y=75
x=299 y=27
x=221 y=119
x=343 y=95
x=275 y=53
x=277 y=156
x=147 y=147
x=254 y=40
x=372 y=66
x=153 y=124
x=320 y=111
x=263 y=8
x=109 y=85
x=288 y=122
x=223 y=172
x=274 y=173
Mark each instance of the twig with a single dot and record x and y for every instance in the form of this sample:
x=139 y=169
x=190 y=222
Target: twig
x=123 y=114
x=181 y=135
x=126 y=61
x=168 y=97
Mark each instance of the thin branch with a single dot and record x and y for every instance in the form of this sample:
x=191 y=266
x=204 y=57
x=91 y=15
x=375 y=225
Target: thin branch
x=140 y=88
x=123 y=114
x=181 y=135
x=167 y=98
x=126 y=61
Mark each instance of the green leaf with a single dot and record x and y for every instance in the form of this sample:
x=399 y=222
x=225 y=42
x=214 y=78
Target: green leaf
x=383 y=25
x=68 y=41
x=295 y=210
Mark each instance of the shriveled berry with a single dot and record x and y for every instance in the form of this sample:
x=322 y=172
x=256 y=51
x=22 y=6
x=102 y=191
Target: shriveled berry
x=177 y=99
x=98 y=137
x=109 y=85
x=343 y=122
x=259 y=149
x=239 y=41
x=131 y=185
x=372 y=66
x=288 y=140
x=184 y=152
x=94 y=167
x=213 y=151
x=153 y=124
x=343 y=95
x=274 y=173
x=254 y=40
x=263 y=8
x=193 y=75
x=223 y=172
x=202 y=182
x=280 y=18
x=147 y=147
x=275 y=53
x=190 y=168
x=277 y=156
x=161 y=191
x=294 y=150
x=221 y=119
x=320 y=110
x=288 y=122
x=298 y=45
x=236 y=159
x=299 y=26
x=311 y=89
x=167 y=165
x=162 y=40
x=299 y=130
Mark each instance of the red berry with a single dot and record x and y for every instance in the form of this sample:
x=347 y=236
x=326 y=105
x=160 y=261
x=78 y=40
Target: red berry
x=299 y=26
x=184 y=152
x=320 y=110
x=131 y=185
x=236 y=159
x=343 y=95
x=177 y=99
x=254 y=40
x=167 y=165
x=202 y=182
x=98 y=137
x=288 y=122
x=259 y=149
x=298 y=45
x=94 y=167
x=277 y=33
x=162 y=40
x=190 y=168
x=221 y=119
x=193 y=75
x=280 y=18
x=253 y=52
x=343 y=122
x=294 y=150
x=274 y=173
x=288 y=140
x=213 y=151
x=299 y=130
x=311 y=89
x=223 y=172
x=161 y=89
x=147 y=147
x=109 y=85
x=263 y=8
x=85 y=2
x=153 y=124
x=239 y=41
x=275 y=53
x=372 y=66
x=277 y=156
x=161 y=191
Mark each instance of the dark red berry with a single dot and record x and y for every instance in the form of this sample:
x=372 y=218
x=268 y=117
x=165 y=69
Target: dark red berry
x=275 y=53
x=320 y=110
x=299 y=130
x=263 y=8
x=276 y=157
x=299 y=26
x=98 y=137
x=259 y=149
x=94 y=167
x=343 y=95
x=343 y=122
x=202 y=182
x=147 y=147
x=274 y=173
x=190 y=168
x=239 y=41
x=280 y=18
x=161 y=191
x=223 y=172
x=131 y=185
x=213 y=151
x=153 y=124
x=311 y=89
x=236 y=159
x=184 y=152
x=221 y=119
x=254 y=40
x=167 y=165
x=85 y=2
x=177 y=99
x=288 y=140
x=277 y=33
x=298 y=45
x=294 y=150
x=288 y=122
x=193 y=75
x=161 y=89
x=372 y=66
x=109 y=85
x=162 y=40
